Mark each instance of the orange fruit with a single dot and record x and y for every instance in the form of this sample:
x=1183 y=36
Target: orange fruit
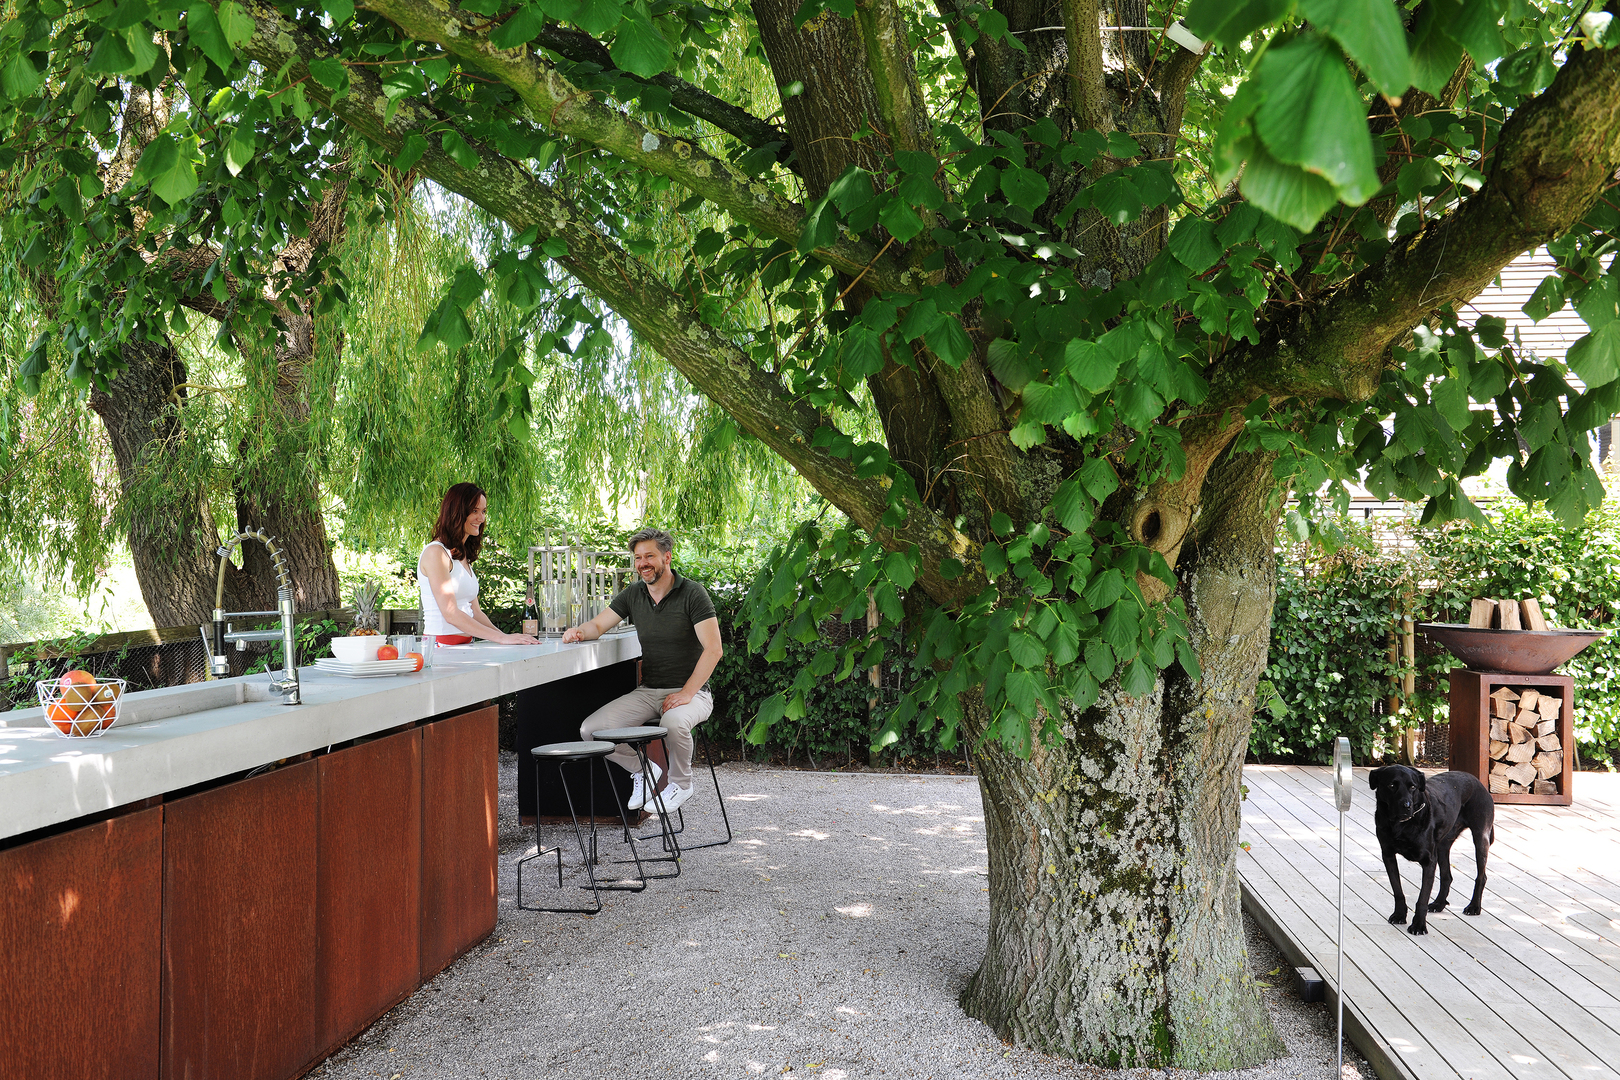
x=417 y=657
x=387 y=652
x=77 y=688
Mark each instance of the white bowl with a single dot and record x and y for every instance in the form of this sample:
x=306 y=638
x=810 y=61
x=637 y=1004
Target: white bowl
x=357 y=650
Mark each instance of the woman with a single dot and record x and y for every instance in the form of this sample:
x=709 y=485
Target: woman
x=450 y=610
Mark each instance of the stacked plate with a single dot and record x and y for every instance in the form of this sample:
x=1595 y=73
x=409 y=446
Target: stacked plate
x=365 y=668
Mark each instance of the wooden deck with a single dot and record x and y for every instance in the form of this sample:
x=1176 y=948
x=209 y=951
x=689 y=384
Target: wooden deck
x=1527 y=990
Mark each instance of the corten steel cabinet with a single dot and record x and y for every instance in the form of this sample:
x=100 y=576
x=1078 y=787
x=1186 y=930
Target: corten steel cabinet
x=1471 y=727
x=244 y=931
x=81 y=923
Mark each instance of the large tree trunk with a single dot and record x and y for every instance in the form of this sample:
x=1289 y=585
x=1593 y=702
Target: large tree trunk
x=172 y=533
x=1115 y=924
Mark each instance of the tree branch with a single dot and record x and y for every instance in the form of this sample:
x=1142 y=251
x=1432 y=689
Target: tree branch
x=1082 y=29
x=747 y=128
x=660 y=317
x=1555 y=155
x=560 y=105
x=888 y=57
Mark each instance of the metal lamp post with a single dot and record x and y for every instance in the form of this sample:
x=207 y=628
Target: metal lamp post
x=1343 y=783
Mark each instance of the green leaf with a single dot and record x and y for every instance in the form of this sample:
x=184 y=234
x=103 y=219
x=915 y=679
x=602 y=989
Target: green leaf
x=1099 y=659
x=1596 y=357
x=1099 y=478
x=1194 y=245
x=597 y=17
x=526 y=22
x=1547 y=299
x=1311 y=116
x=1371 y=33
x=1139 y=403
x=142 y=49
x=168 y=167
x=339 y=11
x=863 y=352
x=239 y=150
x=901 y=220
x=639 y=48
x=237 y=24
x=1026 y=649
x=111 y=55
x=1120 y=628
x=1024 y=691
x=459 y=150
x=1599 y=303
x=1104 y=589
x=19 y=78
x=1090 y=366
x=203 y=28
x=1049 y=403
x=1450 y=397
x=949 y=341
x=897 y=568
x=1071 y=507
x=330 y=74
x=1435 y=53
x=410 y=152
x=1286 y=192
x=1025 y=187
x=1228 y=22
x=1139 y=679
x=1417 y=175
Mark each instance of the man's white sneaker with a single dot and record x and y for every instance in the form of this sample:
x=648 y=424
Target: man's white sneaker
x=670 y=798
x=638 y=793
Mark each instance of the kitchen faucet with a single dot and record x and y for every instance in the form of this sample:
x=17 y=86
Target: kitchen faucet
x=218 y=664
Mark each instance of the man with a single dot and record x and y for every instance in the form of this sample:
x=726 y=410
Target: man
x=680 y=645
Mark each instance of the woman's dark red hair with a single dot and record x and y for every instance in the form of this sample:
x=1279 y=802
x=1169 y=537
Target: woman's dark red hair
x=451 y=529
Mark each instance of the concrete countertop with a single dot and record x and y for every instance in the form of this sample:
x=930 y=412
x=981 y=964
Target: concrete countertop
x=46 y=779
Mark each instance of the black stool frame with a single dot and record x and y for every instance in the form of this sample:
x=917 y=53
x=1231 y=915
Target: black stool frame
x=596 y=887
x=680 y=813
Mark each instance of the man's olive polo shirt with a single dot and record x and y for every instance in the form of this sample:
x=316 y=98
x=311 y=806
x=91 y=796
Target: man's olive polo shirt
x=669 y=643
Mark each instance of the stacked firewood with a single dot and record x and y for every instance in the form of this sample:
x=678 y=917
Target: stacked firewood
x=1526 y=755
x=1506 y=615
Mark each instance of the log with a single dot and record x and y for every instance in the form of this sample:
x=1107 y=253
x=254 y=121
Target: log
x=1499 y=731
x=1549 y=707
x=1523 y=773
x=1520 y=751
x=1507 y=612
x=1518 y=733
x=1504 y=693
x=1531 y=610
x=1480 y=612
x=1544 y=787
x=1499 y=768
x=1508 y=709
x=1528 y=699
x=1498 y=784
x=1549 y=743
x=1499 y=750
x=1546 y=727
x=1547 y=765
x=1516 y=788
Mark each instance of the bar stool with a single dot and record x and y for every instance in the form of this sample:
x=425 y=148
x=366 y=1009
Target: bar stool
x=637 y=739
x=566 y=754
x=680 y=812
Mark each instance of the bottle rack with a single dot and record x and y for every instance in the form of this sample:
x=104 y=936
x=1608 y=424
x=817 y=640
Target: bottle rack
x=572 y=583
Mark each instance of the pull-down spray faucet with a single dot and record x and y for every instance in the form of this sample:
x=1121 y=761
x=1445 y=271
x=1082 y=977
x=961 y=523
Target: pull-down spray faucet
x=218 y=664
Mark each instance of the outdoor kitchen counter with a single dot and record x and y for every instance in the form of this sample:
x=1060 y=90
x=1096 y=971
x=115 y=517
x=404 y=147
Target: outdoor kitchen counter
x=47 y=780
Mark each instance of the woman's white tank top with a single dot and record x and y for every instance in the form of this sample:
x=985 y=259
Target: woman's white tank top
x=466 y=586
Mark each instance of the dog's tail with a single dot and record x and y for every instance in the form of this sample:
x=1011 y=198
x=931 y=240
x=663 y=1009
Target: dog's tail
x=1490 y=837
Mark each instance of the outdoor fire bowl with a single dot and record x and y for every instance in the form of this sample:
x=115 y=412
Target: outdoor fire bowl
x=1512 y=652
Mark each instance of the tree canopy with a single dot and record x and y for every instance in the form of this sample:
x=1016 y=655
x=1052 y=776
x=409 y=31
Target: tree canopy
x=1054 y=301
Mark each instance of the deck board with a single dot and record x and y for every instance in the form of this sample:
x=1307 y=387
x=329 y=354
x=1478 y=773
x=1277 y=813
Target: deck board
x=1527 y=990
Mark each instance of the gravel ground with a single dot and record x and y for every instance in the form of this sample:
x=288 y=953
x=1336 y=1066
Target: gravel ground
x=829 y=941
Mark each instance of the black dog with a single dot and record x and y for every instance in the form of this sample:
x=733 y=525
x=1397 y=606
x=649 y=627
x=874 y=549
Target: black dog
x=1421 y=817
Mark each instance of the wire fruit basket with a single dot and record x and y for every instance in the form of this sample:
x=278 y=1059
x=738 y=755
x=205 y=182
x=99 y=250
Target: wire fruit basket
x=80 y=706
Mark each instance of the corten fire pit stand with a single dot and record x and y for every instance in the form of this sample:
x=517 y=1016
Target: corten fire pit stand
x=1471 y=727
x=1510 y=669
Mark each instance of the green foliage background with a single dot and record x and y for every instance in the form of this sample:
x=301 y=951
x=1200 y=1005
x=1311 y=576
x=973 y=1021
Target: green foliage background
x=1336 y=603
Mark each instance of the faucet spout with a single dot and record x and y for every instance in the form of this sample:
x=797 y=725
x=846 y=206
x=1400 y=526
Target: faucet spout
x=288 y=683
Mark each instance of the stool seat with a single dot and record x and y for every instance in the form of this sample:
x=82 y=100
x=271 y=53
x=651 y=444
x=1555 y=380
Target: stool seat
x=647 y=732
x=582 y=749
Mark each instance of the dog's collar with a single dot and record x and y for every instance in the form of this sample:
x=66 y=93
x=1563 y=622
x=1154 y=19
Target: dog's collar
x=1416 y=812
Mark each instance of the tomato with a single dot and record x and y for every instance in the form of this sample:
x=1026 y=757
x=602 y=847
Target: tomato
x=388 y=652
x=416 y=656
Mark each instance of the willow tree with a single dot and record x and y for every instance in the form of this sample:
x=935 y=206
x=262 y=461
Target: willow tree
x=1105 y=319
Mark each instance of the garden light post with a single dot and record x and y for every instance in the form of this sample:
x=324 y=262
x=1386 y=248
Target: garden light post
x=1343 y=781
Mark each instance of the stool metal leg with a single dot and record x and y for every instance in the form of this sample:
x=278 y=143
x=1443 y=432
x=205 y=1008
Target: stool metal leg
x=578 y=836
x=708 y=752
x=641 y=871
x=668 y=837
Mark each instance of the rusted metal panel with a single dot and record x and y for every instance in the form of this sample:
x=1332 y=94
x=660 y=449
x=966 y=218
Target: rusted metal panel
x=1512 y=652
x=369 y=883
x=81 y=922
x=239 y=870
x=553 y=713
x=459 y=835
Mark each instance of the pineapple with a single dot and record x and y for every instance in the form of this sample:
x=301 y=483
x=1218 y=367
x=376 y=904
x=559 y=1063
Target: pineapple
x=365 y=609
